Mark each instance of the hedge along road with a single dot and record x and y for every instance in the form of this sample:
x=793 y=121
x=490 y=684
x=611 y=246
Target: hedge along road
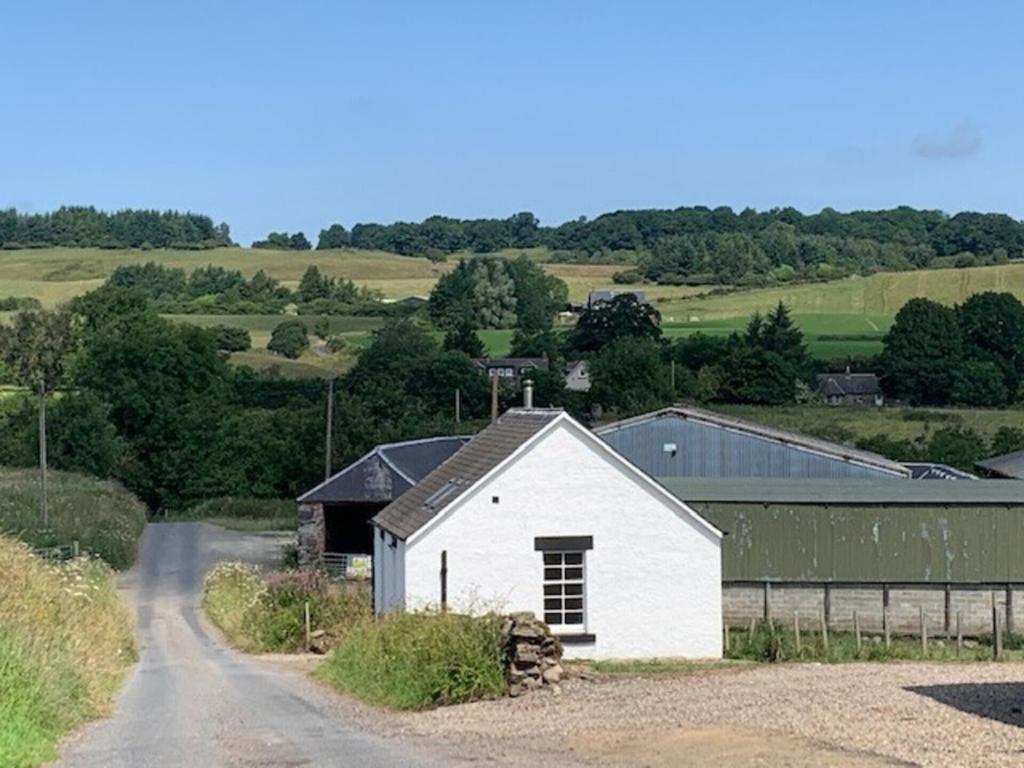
x=191 y=701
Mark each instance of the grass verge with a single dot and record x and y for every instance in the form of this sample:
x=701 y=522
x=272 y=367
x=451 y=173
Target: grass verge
x=101 y=515
x=420 y=660
x=65 y=643
x=267 y=614
x=772 y=642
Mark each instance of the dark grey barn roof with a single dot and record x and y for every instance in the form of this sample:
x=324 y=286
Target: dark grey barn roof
x=926 y=470
x=1008 y=465
x=386 y=472
x=418 y=506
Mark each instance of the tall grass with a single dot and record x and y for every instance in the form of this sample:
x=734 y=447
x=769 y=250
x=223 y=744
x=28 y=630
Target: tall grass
x=772 y=641
x=420 y=660
x=101 y=515
x=264 y=614
x=245 y=514
x=65 y=642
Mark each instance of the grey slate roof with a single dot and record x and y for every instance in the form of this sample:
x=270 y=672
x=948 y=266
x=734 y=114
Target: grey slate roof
x=854 y=491
x=386 y=472
x=1008 y=465
x=764 y=432
x=839 y=384
x=428 y=498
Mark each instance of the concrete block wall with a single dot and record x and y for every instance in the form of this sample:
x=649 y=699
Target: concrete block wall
x=743 y=602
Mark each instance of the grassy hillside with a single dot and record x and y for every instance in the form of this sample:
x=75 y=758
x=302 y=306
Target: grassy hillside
x=65 y=643
x=102 y=516
x=56 y=274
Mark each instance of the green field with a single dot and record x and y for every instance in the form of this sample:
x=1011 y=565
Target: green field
x=842 y=318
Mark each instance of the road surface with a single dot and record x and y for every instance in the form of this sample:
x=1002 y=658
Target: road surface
x=193 y=702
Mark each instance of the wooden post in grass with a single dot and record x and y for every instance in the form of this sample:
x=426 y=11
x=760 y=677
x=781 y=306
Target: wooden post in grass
x=725 y=633
x=824 y=632
x=959 y=634
x=885 y=615
x=753 y=626
x=494 y=397
x=947 y=610
x=1009 y=610
x=444 y=580
x=796 y=630
x=309 y=628
x=924 y=631
x=856 y=630
x=458 y=406
x=997 y=639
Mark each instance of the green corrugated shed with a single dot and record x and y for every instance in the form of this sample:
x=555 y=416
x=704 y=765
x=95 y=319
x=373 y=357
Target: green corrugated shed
x=934 y=531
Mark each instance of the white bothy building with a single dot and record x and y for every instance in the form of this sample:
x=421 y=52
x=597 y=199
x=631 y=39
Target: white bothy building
x=538 y=514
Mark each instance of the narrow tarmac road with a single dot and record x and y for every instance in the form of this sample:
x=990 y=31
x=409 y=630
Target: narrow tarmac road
x=193 y=702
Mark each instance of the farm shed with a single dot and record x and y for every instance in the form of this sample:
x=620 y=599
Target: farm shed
x=334 y=517
x=538 y=514
x=693 y=442
x=843 y=545
x=1009 y=465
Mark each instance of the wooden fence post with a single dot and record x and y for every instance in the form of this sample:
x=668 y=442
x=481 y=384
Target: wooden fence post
x=725 y=633
x=824 y=632
x=997 y=640
x=1009 y=610
x=924 y=631
x=828 y=603
x=767 y=600
x=796 y=630
x=959 y=635
x=947 y=611
x=885 y=615
x=309 y=628
x=856 y=630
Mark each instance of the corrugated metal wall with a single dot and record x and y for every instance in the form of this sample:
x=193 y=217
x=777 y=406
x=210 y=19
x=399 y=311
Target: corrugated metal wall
x=705 y=450
x=870 y=543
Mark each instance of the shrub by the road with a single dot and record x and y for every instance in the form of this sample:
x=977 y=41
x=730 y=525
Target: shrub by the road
x=266 y=614
x=103 y=517
x=65 y=643
x=420 y=660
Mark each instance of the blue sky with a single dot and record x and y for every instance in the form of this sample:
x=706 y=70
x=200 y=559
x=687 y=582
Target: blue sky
x=294 y=115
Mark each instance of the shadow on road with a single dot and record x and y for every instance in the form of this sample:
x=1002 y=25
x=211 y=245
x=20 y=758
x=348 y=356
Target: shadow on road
x=1003 y=702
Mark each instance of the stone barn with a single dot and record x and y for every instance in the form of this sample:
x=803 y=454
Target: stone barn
x=334 y=516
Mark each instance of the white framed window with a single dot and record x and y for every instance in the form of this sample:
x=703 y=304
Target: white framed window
x=565 y=580
x=564 y=576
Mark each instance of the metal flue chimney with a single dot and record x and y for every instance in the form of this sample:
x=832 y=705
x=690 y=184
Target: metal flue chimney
x=528 y=393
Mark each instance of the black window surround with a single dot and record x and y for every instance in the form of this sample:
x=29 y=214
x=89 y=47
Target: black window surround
x=563 y=543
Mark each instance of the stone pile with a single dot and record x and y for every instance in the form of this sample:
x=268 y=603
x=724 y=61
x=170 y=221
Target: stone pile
x=534 y=655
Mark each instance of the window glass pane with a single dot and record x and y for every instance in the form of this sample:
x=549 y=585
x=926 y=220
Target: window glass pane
x=552 y=558
x=574 y=589
x=571 y=604
x=574 y=558
x=574 y=618
x=552 y=574
x=552 y=618
x=556 y=589
x=573 y=573
x=554 y=604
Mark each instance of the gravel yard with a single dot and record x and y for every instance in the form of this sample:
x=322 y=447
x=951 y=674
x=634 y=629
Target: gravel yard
x=791 y=715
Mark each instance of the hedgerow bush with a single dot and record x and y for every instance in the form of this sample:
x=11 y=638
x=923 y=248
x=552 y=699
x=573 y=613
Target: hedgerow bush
x=420 y=660
x=65 y=643
x=267 y=614
x=240 y=507
x=101 y=515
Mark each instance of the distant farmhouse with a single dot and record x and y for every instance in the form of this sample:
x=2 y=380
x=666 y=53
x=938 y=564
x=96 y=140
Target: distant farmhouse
x=510 y=369
x=577 y=376
x=850 y=388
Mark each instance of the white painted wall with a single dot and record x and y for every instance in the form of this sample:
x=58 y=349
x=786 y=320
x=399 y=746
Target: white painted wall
x=653 y=576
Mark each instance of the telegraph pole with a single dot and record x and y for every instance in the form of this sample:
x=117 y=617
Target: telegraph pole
x=44 y=515
x=328 y=443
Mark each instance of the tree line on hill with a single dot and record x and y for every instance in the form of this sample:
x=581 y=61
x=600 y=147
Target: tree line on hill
x=216 y=290
x=85 y=226
x=701 y=245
